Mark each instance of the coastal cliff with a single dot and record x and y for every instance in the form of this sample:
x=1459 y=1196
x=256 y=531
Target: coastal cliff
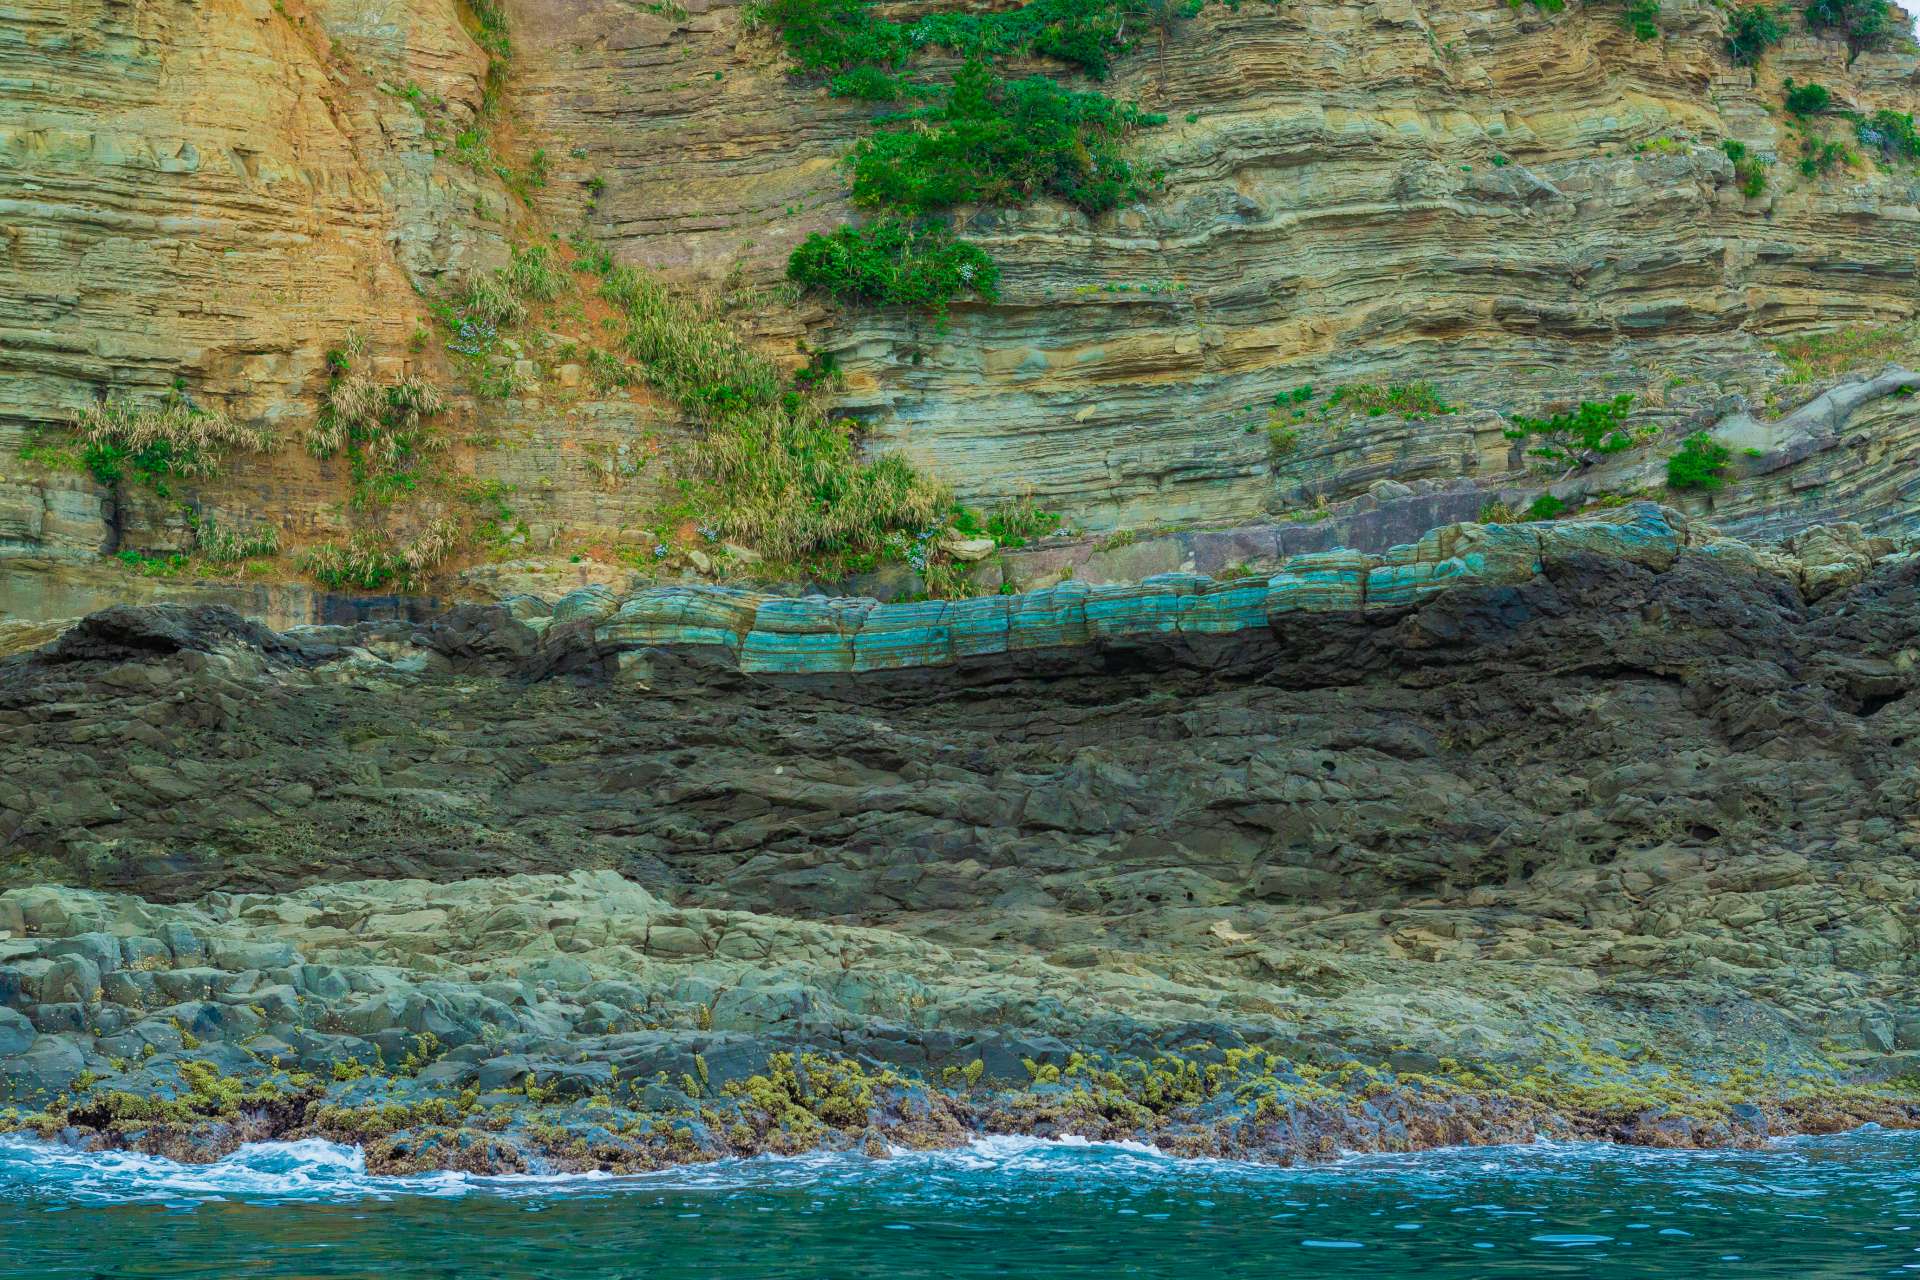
x=1373 y=235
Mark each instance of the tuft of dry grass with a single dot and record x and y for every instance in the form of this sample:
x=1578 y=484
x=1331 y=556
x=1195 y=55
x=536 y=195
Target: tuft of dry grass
x=369 y=561
x=792 y=485
x=175 y=438
x=1815 y=356
x=384 y=424
x=770 y=467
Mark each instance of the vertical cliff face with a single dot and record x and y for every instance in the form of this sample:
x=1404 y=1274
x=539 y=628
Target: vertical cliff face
x=1522 y=210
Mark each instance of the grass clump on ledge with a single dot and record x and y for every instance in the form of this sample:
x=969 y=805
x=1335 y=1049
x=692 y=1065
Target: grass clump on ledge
x=381 y=428
x=1821 y=355
x=368 y=561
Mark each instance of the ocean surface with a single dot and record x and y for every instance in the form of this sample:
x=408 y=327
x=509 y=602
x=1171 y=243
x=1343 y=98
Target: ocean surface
x=1838 y=1206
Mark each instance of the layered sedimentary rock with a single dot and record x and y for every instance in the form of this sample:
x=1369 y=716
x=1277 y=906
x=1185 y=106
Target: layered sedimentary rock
x=1486 y=818
x=1524 y=209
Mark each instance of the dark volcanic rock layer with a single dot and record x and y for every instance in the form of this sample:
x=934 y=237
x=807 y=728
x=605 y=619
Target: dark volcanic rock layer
x=1619 y=849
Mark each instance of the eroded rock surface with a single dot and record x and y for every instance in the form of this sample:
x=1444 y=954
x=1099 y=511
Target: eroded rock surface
x=1599 y=835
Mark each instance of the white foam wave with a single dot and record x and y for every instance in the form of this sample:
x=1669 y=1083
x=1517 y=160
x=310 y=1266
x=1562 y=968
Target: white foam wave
x=310 y=1169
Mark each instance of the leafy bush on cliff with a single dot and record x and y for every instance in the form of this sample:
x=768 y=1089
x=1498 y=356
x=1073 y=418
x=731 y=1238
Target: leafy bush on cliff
x=1818 y=158
x=843 y=40
x=1805 y=100
x=1699 y=463
x=1002 y=142
x=1891 y=133
x=987 y=139
x=1642 y=17
x=1596 y=428
x=150 y=444
x=890 y=261
x=1750 y=170
x=1752 y=31
x=1862 y=22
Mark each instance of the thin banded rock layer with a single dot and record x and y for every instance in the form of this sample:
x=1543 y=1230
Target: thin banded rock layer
x=771 y=635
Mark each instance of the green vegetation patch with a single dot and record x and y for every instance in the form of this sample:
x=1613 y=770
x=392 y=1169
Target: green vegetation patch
x=770 y=467
x=1806 y=100
x=1822 y=355
x=1891 y=133
x=1751 y=31
x=1863 y=23
x=895 y=262
x=1578 y=436
x=999 y=141
x=981 y=139
x=152 y=444
x=1700 y=464
x=1751 y=170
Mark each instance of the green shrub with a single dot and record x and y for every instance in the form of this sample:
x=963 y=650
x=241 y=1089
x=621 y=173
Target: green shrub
x=1819 y=158
x=1862 y=22
x=1807 y=99
x=891 y=261
x=986 y=139
x=829 y=36
x=1571 y=439
x=1642 y=17
x=842 y=40
x=1002 y=142
x=1752 y=31
x=1699 y=463
x=1891 y=133
x=1750 y=170
x=1545 y=507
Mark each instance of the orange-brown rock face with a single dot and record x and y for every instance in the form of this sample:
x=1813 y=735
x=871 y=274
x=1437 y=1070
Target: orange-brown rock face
x=1522 y=209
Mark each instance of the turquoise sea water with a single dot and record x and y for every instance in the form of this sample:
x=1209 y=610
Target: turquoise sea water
x=1841 y=1206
